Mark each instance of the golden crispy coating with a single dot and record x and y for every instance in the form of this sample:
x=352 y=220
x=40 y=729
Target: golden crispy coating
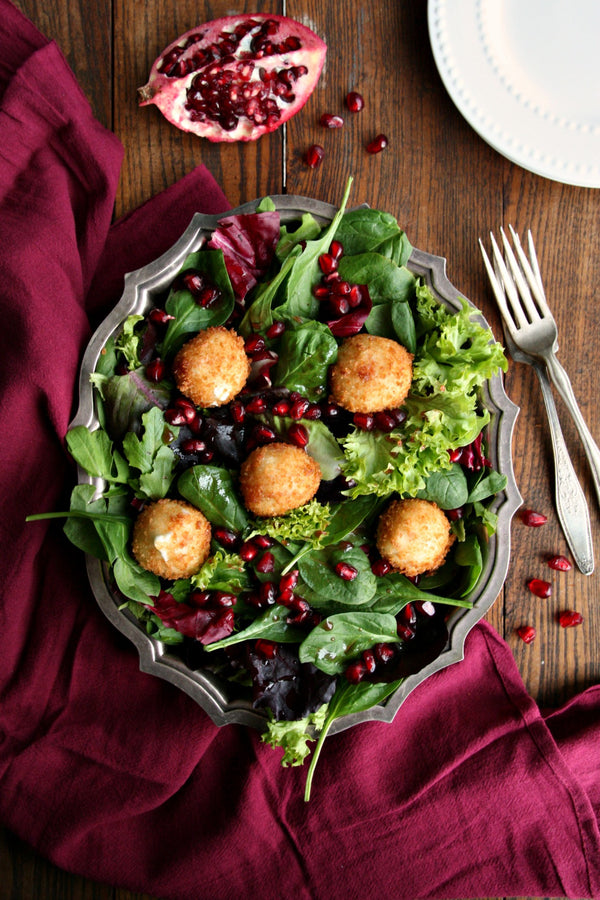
x=277 y=478
x=371 y=374
x=414 y=536
x=212 y=368
x=171 y=538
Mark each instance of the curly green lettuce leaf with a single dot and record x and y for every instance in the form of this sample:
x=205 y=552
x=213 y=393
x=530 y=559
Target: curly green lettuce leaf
x=308 y=523
x=293 y=737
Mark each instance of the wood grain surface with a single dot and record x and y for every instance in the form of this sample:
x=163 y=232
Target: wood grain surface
x=447 y=187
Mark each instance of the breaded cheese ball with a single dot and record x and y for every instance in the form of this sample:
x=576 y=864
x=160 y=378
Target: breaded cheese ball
x=277 y=478
x=371 y=374
x=212 y=368
x=414 y=536
x=171 y=538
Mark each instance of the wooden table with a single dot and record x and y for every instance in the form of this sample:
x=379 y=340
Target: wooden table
x=446 y=186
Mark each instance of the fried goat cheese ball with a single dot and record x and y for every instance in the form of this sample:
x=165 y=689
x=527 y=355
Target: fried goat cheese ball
x=171 y=538
x=371 y=374
x=277 y=478
x=414 y=536
x=212 y=368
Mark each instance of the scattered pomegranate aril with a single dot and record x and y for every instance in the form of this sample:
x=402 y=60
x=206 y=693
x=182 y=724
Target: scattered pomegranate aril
x=159 y=316
x=533 y=519
x=174 y=416
x=267 y=593
x=328 y=120
x=425 y=606
x=354 y=101
x=381 y=567
x=540 y=588
x=248 y=551
x=256 y=405
x=405 y=632
x=289 y=581
x=384 y=421
x=200 y=599
x=193 y=445
x=327 y=263
x=314 y=156
x=263 y=541
x=569 y=618
x=345 y=571
x=266 y=563
x=369 y=660
x=225 y=537
x=560 y=563
x=378 y=144
x=237 y=412
x=281 y=408
x=262 y=434
x=298 y=435
x=527 y=633
x=254 y=344
x=454 y=514
x=223 y=599
x=266 y=649
x=237 y=77
x=383 y=653
x=299 y=408
x=156 y=370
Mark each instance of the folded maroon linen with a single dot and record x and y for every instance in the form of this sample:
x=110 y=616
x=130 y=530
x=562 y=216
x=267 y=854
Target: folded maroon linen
x=117 y=775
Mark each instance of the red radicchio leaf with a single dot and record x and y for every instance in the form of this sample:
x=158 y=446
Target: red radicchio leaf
x=352 y=322
x=248 y=243
x=204 y=625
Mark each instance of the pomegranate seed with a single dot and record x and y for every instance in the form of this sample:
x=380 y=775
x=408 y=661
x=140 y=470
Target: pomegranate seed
x=206 y=456
x=266 y=563
x=285 y=597
x=298 y=604
x=533 y=519
x=289 y=581
x=298 y=408
x=527 y=633
x=298 y=435
x=330 y=410
x=223 y=599
x=275 y=330
x=321 y=292
x=175 y=417
x=263 y=434
x=345 y=571
x=301 y=618
x=248 y=551
x=342 y=288
x=364 y=421
x=313 y=412
x=187 y=408
x=425 y=606
x=540 y=588
x=339 y=305
x=327 y=263
x=336 y=250
x=355 y=296
x=378 y=144
x=314 y=156
x=405 y=632
x=356 y=672
x=455 y=454
x=570 y=619
x=200 y=598
x=255 y=343
x=369 y=661
x=159 y=316
x=454 y=514
x=266 y=649
x=331 y=278
x=384 y=421
x=330 y=121
x=267 y=593
x=225 y=537
x=560 y=563
x=354 y=101
x=207 y=296
x=238 y=413
x=192 y=445
x=407 y=615
x=256 y=405
x=383 y=652
x=155 y=370
x=381 y=567
x=194 y=282
x=263 y=541
x=399 y=415
x=282 y=408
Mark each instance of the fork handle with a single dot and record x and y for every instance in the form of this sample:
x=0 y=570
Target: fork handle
x=571 y=505
x=563 y=386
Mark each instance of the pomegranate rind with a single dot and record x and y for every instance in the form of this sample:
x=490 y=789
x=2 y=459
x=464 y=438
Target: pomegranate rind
x=170 y=93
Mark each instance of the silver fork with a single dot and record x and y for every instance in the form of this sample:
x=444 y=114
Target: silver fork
x=531 y=338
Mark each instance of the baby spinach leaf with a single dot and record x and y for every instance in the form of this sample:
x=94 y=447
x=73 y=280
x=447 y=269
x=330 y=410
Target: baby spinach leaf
x=80 y=529
x=487 y=487
x=270 y=625
x=398 y=248
x=447 y=488
x=306 y=352
x=365 y=230
x=212 y=491
x=347 y=516
x=259 y=315
x=394 y=591
x=133 y=581
x=317 y=570
x=127 y=397
x=189 y=316
x=342 y=637
x=386 y=280
x=393 y=320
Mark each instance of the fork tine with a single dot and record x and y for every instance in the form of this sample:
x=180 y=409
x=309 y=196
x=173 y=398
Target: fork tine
x=510 y=288
x=531 y=270
x=520 y=275
x=535 y=264
x=497 y=289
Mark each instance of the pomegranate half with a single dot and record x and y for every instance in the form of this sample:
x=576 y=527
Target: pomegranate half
x=236 y=78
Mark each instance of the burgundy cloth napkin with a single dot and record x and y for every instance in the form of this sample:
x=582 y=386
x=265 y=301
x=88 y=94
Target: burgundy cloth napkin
x=120 y=777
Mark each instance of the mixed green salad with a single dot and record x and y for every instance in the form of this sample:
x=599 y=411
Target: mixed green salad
x=297 y=613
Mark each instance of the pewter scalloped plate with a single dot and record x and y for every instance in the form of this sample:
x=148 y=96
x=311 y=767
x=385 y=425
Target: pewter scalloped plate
x=216 y=697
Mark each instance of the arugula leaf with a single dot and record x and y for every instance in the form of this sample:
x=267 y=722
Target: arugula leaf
x=94 y=451
x=212 y=491
x=307 y=230
x=259 y=316
x=150 y=454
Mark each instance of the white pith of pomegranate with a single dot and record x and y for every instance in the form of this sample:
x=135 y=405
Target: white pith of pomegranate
x=236 y=78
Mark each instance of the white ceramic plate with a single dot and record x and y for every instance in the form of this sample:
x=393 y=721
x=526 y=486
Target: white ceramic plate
x=525 y=74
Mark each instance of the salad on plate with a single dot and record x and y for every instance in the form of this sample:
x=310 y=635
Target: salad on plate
x=289 y=482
